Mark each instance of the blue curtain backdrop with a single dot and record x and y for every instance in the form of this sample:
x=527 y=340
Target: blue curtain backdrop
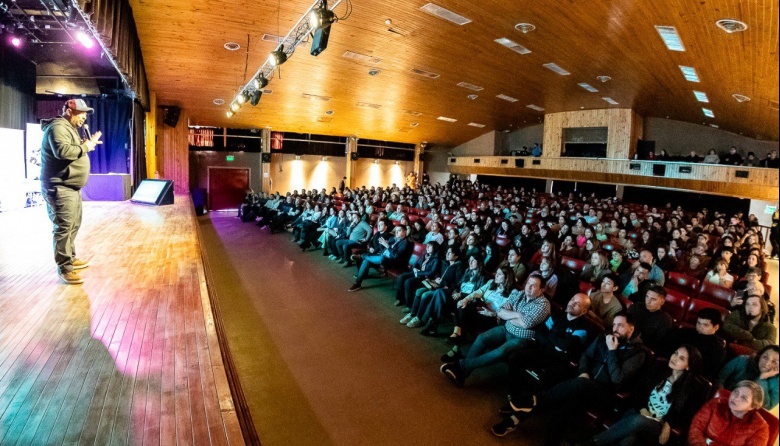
x=112 y=116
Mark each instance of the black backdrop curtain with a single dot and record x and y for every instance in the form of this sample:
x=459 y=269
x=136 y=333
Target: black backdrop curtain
x=17 y=89
x=113 y=118
x=138 y=144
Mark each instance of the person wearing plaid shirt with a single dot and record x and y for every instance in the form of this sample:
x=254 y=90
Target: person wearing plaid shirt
x=523 y=312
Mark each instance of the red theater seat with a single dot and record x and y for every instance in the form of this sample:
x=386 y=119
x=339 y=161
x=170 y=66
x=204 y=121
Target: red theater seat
x=697 y=305
x=716 y=294
x=417 y=253
x=573 y=264
x=686 y=284
x=676 y=305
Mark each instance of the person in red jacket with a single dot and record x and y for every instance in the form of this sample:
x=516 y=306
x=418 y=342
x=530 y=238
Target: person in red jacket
x=732 y=421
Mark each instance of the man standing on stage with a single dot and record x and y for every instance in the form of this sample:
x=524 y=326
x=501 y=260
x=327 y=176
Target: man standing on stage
x=64 y=171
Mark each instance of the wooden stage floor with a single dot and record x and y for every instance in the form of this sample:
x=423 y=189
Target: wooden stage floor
x=130 y=356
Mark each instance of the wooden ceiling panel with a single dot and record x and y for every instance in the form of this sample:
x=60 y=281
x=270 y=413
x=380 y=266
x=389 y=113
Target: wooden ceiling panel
x=188 y=66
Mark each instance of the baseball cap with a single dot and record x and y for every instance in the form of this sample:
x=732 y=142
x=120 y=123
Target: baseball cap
x=78 y=105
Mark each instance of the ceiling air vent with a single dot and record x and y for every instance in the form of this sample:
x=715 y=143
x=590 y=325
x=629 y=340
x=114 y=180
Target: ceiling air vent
x=477 y=125
x=413 y=112
x=357 y=57
x=535 y=107
x=731 y=25
x=405 y=130
x=324 y=119
x=445 y=14
x=610 y=101
x=368 y=105
x=556 y=68
x=470 y=86
x=588 y=87
x=507 y=98
x=512 y=45
x=428 y=74
x=670 y=37
x=271 y=38
x=446 y=119
x=314 y=97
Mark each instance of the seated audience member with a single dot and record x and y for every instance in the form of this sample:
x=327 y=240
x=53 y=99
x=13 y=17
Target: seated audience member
x=604 y=303
x=771 y=160
x=597 y=268
x=694 y=267
x=394 y=253
x=568 y=247
x=357 y=234
x=618 y=264
x=474 y=309
x=547 y=272
x=434 y=235
x=492 y=258
x=711 y=158
x=749 y=324
x=520 y=316
x=653 y=324
x=514 y=263
x=443 y=296
x=704 y=338
x=634 y=283
x=426 y=267
x=751 y=160
x=751 y=261
x=692 y=157
x=417 y=232
x=732 y=158
x=656 y=274
x=561 y=340
x=547 y=249
x=762 y=368
x=720 y=275
x=732 y=420
x=665 y=259
x=470 y=246
x=725 y=253
x=591 y=246
x=667 y=396
x=612 y=360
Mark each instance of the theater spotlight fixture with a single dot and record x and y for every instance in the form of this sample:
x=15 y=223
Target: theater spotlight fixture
x=254 y=98
x=321 y=17
x=230 y=113
x=241 y=98
x=260 y=82
x=277 y=57
x=234 y=106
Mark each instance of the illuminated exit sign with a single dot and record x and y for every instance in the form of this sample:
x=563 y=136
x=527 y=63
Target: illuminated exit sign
x=230 y=158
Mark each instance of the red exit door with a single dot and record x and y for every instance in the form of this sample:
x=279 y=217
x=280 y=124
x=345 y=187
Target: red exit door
x=227 y=187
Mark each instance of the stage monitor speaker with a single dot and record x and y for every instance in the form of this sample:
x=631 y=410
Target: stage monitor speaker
x=741 y=173
x=355 y=156
x=659 y=170
x=504 y=161
x=519 y=162
x=154 y=192
x=171 y=116
x=320 y=41
x=266 y=157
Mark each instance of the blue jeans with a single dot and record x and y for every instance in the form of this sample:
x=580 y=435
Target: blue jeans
x=368 y=261
x=491 y=347
x=630 y=430
x=421 y=299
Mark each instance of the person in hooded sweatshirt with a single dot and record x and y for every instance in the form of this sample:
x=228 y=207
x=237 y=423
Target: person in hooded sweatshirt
x=64 y=171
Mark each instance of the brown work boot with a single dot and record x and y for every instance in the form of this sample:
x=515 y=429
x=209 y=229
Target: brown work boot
x=71 y=278
x=80 y=264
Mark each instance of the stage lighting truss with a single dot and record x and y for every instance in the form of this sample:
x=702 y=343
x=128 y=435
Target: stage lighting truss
x=317 y=16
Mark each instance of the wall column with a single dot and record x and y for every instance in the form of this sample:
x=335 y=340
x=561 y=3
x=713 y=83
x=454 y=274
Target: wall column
x=265 y=168
x=619 y=191
x=419 y=164
x=151 y=137
x=351 y=148
x=548 y=186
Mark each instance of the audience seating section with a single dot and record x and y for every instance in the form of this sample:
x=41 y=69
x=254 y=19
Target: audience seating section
x=716 y=294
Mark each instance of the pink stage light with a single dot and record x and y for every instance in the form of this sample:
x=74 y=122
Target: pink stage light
x=16 y=41
x=85 y=40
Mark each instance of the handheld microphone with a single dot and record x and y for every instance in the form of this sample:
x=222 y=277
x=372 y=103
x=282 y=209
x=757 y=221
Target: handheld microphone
x=86 y=130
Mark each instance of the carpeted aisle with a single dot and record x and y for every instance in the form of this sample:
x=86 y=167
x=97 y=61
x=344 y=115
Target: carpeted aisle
x=323 y=366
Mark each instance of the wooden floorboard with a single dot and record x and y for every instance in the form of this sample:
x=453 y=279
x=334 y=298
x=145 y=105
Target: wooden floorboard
x=130 y=356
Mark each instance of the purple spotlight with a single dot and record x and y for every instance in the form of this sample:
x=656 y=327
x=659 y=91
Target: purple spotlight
x=16 y=41
x=85 y=40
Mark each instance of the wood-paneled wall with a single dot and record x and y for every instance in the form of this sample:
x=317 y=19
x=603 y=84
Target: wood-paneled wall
x=624 y=128
x=761 y=184
x=173 y=152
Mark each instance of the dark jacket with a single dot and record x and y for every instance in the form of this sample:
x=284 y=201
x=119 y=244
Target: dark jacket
x=613 y=368
x=397 y=253
x=655 y=327
x=450 y=273
x=712 y=348
x=430 y=268
x=64 y=160
x=679 y=415
x=561 y=337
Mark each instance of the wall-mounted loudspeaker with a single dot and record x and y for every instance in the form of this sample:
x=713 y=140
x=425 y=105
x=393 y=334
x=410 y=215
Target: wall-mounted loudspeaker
x=171 y=116
x=355 y=156
x=266 y=157
x=659 y=170
x=741 y=173
x=519 y=162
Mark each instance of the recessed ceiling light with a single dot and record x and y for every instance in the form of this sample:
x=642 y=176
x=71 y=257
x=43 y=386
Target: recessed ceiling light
x=219 y=101
x=610 y=101
x=232 y=46
x=740 y=97
x=373 y=72
x=708 y=113
x=512 y=45
x=731 y=25
x=535 y=107
x=329 y=112
x=689 y=73
x=670 y=37
x=472 y=96
x=604 y=78
x=414 y=124
x=701 y=96
x=445 y=14
x=556 y=68
x=477 y=125
x=588 y=87
x=525 y=28
x=507 y=98
x=446 y=119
